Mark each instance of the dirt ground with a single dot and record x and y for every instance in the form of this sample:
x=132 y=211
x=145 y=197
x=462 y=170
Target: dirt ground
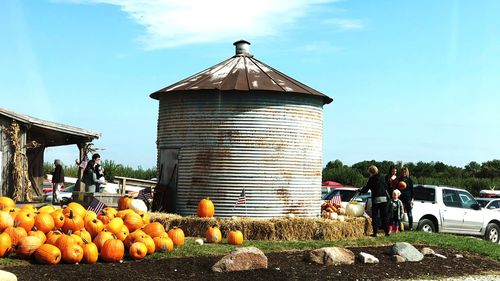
x=282 y=266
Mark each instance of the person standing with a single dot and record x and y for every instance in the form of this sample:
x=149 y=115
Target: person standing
x=90 y=177
x=378 y=187
x=395 y=211
x=99 y=170
x=406 y=194
x=392 y=179
x=57 y=180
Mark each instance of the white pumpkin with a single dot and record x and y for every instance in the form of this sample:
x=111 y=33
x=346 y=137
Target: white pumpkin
x=341 y=218
x=138 y=205
x=333 y=216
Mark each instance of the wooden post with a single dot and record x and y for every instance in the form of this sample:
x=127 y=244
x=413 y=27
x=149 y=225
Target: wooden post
x=81 y=148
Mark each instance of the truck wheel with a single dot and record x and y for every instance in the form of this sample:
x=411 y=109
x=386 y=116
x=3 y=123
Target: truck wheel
x=492 y=233
x=426 y=225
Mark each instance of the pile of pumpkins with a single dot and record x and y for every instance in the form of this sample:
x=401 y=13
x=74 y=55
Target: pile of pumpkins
x=333 y=211
x=77 y=235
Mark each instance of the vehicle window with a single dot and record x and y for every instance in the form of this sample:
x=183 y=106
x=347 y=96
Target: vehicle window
x=466 y=199
x=424 y=194
x=331 y=194
x=495 y=204
x=482 y=203
x=346 y=195
x=451 y=198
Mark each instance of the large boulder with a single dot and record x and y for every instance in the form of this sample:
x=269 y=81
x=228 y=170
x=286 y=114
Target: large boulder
x=331 y=256
x=246 y=258
x=407 y=251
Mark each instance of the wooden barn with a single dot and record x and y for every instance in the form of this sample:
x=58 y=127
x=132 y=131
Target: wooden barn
x=23 y=140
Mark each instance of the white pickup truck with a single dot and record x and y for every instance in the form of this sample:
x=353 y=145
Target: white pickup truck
x=453 y=210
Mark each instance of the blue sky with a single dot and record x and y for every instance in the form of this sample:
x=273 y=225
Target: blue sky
x=411 y=80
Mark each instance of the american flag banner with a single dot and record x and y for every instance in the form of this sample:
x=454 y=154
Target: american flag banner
x=96 y=206
x=336 y=200
x=242 y=199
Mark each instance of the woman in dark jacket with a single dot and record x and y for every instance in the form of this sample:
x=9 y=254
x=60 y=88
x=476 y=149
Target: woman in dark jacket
x=90 y=177
x=392 y=179
x=378 y=186
x=407 y=194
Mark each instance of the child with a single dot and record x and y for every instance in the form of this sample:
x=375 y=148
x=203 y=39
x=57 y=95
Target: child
x=396 y=211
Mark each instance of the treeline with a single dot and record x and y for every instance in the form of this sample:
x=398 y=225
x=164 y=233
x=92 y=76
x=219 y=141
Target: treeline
x=473 y=177
x=111 y=169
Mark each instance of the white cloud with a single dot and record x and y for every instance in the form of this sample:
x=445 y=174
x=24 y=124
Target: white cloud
x=171 y=23
x=345 y=24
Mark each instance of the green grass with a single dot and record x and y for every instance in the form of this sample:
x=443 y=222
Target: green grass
x=191 y=249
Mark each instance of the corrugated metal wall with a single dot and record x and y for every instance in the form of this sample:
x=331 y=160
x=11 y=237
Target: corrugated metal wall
x=270 y=144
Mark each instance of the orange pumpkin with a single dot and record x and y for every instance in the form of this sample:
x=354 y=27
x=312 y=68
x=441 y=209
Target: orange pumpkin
x=16 y=233
x=6 y=203
x=154 y=229
x=213 y=235
x=44 y=222
x=133 y=221
x=177 y=236
x=94 y=227
x=163 y=243
x=52 y=237
x=58 y=217
x=402 y=185
x=47 y=209
x=48 y=254
x=145 y=217
x=235 y=237
x=89 y=215
x=148 y=241
x=64 y=241
x=72 y=222
x=39 y=234
x=132 y=236
x=123 y=213
x=113 y=250
x=123 y=233
x=29 y=208
x=90 y=252
x=124 y=202
x=138 y=250
x=5 y=244
x=111 y=212
x=103 y=216
x=84 y=234
x=101 y=238
x=206 y=208
x=5 y=220
x=72 y=253
x=115 y=225
x=77 y=209
x=27 y=246
x=77 y=239
x=25 y=219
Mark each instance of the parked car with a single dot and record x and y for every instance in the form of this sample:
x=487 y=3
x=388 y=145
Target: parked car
x=489 y=203
x=63 y=193
x=453 y=210
x=347 y=194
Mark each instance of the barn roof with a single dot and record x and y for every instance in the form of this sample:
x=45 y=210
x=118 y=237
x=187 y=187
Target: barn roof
x=50 y=133
x=241 y=72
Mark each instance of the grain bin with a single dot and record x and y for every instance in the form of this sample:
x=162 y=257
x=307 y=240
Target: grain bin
x=240 y=128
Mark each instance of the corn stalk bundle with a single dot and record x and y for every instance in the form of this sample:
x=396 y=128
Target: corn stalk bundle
x=20 y=179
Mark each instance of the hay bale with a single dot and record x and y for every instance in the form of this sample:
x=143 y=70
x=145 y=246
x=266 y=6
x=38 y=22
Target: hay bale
x=296 y=228
x=252 y=229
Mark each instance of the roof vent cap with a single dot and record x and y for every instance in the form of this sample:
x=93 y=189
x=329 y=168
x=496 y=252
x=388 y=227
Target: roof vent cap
x=242 y=48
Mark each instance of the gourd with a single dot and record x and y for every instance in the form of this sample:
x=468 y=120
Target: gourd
x=354 y=209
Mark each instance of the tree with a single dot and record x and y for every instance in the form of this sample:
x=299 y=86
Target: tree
x=473 y=169
x=490 y=169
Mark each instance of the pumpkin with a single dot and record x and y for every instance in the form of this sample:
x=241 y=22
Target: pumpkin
x=94 y=227
x=402 y=185
x=5 y=244
x=38 y=233
x=133 y=221
x=27 y=246
x=146 y=218
x=123 y=233
x=84 y=234
x=29 y=208
x=148 y=241
x=77 y=239
x=138 y=205
x=101 y=238
x=5 y=220
x=44 y=222
x=235 y=237
x=58 y=217
x=16 y=233
x=111 y=212
x=138 y=250
x=154 y=229
x=89 y=215
x=90 y=252
x=112 y=250
x=163 y=243
x=213 y=235
x=48 y=254
x=72 y=222
x=25 y=219
x=104 y=217
x=52 y=237
x=115 y=225
x=177 y=236
x=123 y=213
x=132 y=236
x=64 y=241
x=206 y=208
x=6 y=203
x=72 y=253
x=77 y=209
x=47 y=209
x=124 y=202
x=354 y=209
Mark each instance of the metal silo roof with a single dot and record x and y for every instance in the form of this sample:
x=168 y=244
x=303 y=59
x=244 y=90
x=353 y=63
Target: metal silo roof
x=241 y=72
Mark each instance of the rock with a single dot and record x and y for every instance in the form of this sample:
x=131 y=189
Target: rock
x=439 y=256
x=246 y=258
x=199 y=241
x=331 y=256
x=367 y=258
x=426 y=251
x=398 y=258
x=407 y=251
x=7 y=276
x=459 y=256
